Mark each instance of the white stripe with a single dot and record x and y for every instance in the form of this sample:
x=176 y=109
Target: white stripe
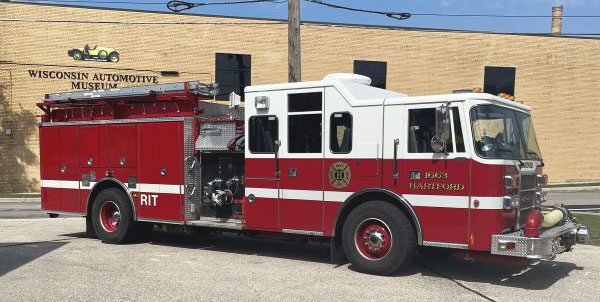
x=438 y=201
x=488 y=203
x=302 y=194
x=69 y=184
x=146 y=188
x=170 y=189
x=50 y=183
x=337 y=196
x=262 y=192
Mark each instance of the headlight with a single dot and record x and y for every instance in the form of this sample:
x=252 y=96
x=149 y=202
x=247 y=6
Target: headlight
x=511 y=181
x=541 y=179
x=540 y=197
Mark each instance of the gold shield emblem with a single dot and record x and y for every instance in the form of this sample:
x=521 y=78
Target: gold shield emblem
x=339 y=175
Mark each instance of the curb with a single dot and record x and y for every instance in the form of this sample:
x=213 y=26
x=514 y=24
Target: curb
x=571 y=189
x=21 y=199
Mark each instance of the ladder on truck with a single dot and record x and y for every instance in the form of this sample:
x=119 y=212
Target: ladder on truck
x=189 y=86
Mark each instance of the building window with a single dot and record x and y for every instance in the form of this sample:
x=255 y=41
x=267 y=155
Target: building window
x=232 y=73
x=499 y=80
x=305 y=122
x=262 y=134
x=340 y=132
x=376 y=70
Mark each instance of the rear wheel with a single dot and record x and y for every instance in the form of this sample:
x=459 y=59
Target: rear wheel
x=112 y=216
x=77 y=55
x=378 y=238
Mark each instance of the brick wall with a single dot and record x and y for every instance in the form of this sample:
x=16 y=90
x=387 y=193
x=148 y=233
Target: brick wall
x=558 y=77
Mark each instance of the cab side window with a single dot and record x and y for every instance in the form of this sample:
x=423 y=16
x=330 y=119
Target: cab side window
x=421 y=129
x=340 y=132
x=460 y=142
x=304 y=122
x=262 y=133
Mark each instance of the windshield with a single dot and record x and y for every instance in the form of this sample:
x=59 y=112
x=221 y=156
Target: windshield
x=502 y=133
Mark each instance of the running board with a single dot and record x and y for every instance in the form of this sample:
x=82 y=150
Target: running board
x=220 y=223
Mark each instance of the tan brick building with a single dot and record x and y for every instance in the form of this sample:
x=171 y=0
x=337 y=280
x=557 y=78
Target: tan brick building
x=558 y=77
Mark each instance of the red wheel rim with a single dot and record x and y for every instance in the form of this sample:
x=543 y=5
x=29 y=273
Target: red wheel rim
x=373 y=239
x=110 y=216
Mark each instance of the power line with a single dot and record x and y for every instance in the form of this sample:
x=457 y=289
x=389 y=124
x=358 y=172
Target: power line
x=500 y=16
x=90 y=1
x=178 y=6
x=393 y=15
x=141 y=22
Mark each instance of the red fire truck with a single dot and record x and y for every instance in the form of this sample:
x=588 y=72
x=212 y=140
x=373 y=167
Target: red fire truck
x=374 y=171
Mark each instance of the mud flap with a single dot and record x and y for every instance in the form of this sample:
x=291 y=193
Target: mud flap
x=89 y=227
x=337 y=252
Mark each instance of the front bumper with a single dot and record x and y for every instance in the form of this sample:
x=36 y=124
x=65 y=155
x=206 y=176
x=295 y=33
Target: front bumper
x=550 y=243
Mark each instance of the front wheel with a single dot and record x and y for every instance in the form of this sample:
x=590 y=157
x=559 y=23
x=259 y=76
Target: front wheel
x=113 y=57
x=378 y=238
x=112 y=216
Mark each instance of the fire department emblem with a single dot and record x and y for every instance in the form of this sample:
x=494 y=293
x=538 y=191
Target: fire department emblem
x=339 y=175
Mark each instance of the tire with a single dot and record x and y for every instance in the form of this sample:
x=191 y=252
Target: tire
x=113 y=57
x=378 y=238
x=77 y=55
x=102 y=54
x=112 y=216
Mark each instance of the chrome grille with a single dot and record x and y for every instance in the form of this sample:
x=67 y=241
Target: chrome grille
x=528 y=182
x=526 y=197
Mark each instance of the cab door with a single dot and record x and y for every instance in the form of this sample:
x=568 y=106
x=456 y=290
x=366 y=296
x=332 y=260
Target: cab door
x=262 y=171
x=301 y=199
x=437 y=185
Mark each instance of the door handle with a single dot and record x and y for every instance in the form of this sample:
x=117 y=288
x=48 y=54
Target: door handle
x=277 y=145
x=396 y=142
x=63 y=169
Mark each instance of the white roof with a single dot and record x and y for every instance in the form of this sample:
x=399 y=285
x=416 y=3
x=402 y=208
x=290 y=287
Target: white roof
x=358 y=94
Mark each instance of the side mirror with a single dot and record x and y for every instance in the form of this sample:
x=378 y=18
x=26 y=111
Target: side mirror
x=277 y=144
x=442 y=128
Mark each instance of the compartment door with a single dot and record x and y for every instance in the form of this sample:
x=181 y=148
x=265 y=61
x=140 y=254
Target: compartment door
x=160 y=181
x=50 y=167
x=69 y=169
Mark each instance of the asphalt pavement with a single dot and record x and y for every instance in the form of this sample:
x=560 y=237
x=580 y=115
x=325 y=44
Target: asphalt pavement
x=52 y=260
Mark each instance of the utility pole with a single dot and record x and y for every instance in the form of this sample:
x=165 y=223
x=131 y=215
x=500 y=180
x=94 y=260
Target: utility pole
x=294 y=41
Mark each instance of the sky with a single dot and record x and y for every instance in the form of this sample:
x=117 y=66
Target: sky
x=315 y=12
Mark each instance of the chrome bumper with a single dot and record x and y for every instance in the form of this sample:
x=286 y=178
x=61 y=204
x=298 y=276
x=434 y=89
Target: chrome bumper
x=550 y=243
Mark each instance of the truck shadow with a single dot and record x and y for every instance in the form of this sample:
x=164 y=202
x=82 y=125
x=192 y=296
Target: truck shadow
x=536 y=275
x=258 y=245
x=533 y=276
x=15 y=255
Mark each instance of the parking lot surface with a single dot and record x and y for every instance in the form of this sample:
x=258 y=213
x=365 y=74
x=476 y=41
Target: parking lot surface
x=52 y=260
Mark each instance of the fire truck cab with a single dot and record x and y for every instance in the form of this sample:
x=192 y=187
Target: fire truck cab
x=376 y=172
